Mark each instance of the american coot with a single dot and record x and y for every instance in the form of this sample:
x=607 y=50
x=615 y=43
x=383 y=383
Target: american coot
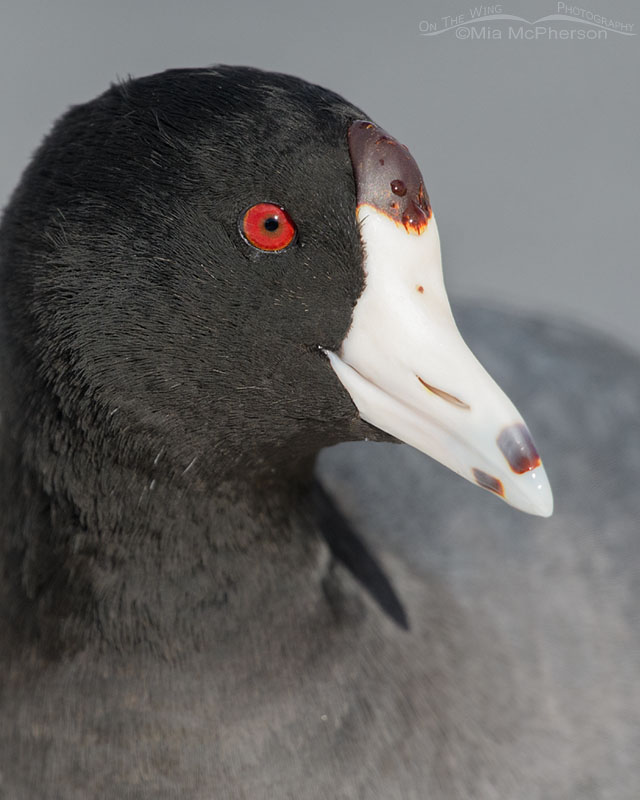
x=206 y=277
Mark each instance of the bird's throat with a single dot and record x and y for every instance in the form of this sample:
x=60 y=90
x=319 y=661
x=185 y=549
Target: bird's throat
x=147 y=562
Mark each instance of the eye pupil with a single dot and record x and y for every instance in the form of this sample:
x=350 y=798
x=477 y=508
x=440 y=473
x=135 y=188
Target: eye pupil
x=267 y=226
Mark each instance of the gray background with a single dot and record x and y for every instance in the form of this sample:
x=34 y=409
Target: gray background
x=528 y=148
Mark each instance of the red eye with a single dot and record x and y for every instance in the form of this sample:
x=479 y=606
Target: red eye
x=267 y=227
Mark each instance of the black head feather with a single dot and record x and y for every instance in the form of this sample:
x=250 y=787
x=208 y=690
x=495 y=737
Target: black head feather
x=134 y=311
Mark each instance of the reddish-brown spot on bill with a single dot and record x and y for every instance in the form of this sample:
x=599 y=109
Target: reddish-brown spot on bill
x=423 y=201
x=421 y=289
x=488 y=482
x=414 y=218
x=518 y=448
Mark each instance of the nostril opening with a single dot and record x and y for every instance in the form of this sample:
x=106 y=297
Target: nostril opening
x=518 y=448
x=450 y=398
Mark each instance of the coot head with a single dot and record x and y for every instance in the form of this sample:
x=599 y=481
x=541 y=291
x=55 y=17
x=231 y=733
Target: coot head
x=219 y=271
